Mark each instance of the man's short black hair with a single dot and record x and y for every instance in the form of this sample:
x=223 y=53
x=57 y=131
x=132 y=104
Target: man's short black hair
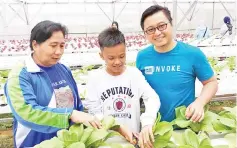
x=110 y=37
x=44 y=30
x=152 y=10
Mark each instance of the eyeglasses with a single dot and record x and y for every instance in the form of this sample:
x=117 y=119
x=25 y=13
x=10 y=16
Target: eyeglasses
x=152 y=30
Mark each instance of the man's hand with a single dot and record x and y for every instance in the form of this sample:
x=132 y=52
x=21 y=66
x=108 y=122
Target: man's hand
x=146 y=137
x=195 y=111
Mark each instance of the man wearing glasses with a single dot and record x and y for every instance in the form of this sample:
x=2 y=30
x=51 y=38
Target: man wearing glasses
x=171 y=68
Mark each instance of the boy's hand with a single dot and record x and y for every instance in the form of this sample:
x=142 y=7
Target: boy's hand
x=127 y=134
x=146 y=137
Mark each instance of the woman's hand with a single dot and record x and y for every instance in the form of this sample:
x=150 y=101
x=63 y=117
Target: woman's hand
x=82 y=117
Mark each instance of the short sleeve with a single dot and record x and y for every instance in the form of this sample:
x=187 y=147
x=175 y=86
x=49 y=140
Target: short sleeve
x=202 y=68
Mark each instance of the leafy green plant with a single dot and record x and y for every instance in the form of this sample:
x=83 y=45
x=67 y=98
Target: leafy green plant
x=189 y=139
x=84 y=70
x=3 y=80
x=53 y=143
x=83 y=95
x=162 y=132
x=231 y=62
x=3 y=99
x=212 y=61
x=81 y=136
x=231 y=139
x=4 y=73
x=218 y=68
x=204 y=125
x=108 y=122
x=131 y=64
x=226 y=123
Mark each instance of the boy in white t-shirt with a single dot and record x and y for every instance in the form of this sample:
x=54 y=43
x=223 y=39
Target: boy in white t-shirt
x=116 y=90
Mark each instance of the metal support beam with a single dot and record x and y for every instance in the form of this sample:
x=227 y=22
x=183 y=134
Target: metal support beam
x=85 y=22
x=113 y=9
x=121 y=11
x=213 y=15
x=103 y=11
x=235 y=25
x=174 y=18
x=37 y=13
x=182 y=12
x=25 y=7
x=190 y=8
x=227 y=10
x=3 y=13
x=195 y=11
x=192 y=15
x=16 y=14
x=104 y=2
x=154 y=2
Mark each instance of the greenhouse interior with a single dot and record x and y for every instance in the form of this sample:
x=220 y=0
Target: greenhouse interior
x=85 y=20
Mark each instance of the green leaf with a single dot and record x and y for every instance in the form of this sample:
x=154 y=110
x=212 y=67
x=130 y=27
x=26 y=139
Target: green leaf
x=78 y=129
x=77 y=145
x=204 y=139
x=128 y=146
x=182 y=123
x=186 y=146
x=205 y=142
x=86 y=134
x=196 y=127
x=180 y=112
x=160 y=143
x=162 y=128
x=97 y=143
x=52 y=143
x=179 y=138
x=231 y=139
x=207 y=127
x=67 y=137
x=191 y=138
x=115 y=127
x=108 y=122
x=222 y=112
x=166 y=136
x=114 y=145
x=206 y=146
x=171 y=145
x=228 y=122
x=222 y=146
x=156 y=122
x=112 y=134
x=96 y=135
x=219 y=127
x=209 y=117
x=228 y=115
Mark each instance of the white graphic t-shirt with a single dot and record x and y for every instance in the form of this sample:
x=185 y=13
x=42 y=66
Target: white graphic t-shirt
x=119 y=96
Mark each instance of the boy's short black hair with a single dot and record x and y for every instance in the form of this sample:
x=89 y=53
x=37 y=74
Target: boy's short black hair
x=152 y=10
x=44 y=30
x=110 y=37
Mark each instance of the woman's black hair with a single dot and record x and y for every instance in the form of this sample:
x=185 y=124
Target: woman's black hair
x=44 y=30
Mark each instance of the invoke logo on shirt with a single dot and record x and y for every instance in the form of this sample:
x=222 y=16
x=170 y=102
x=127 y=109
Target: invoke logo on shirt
x=149 y=70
